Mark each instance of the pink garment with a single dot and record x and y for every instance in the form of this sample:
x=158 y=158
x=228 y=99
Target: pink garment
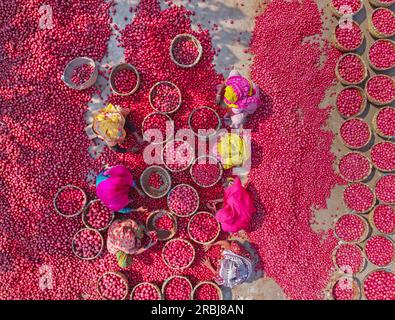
x=241 y=86
x=113 y=192
x=238 y=208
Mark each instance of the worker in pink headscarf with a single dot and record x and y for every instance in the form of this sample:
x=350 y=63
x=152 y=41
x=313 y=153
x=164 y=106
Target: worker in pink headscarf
x=241 y=96
x=238 y=207
x=113 y=186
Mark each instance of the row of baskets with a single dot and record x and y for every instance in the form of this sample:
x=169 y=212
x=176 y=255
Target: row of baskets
x=160 y=291
x=77 y=62
x=358 y=289
x=160 y=191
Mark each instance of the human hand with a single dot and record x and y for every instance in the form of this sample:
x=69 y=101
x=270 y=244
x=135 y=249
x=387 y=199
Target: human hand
x=206 y=247
x=142 y=210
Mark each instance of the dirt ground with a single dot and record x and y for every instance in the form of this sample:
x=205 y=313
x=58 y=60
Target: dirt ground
x=235 y=20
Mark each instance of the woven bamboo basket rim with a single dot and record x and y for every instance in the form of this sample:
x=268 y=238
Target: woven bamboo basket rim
x=150 y=115
x=380 y=234
x=115 y=70
x=118 y=274
x=101 y=247
x=170 y=84
x=197 y=44
x=163 y=155
x=375 y=127
x=375 y=186
x=58 y=211
x=368 y=55
x=201 y=135
x=373 y=30
x=374 y=164
x=367 y=141
x=371 y=219
x=221 y=171
x=147 y=283
x=338 y=14
x=173 y=267
x=378 y=3
x=163 y=172
x=362 y=106
x=173 y=277
x=345 y=82
x=85 y=212
x=175 y=224
x=339 y=46
x=189 y=227
x=369 y=274
x=75 y=63
x=373 y=202
x=197 y=205
x=220 y=294
x=364 y=235
x=364 y=260
x=373 y=100
x=356 y=286
x=365 y=157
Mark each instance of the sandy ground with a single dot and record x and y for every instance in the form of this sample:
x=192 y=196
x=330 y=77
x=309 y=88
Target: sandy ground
x=235 y=20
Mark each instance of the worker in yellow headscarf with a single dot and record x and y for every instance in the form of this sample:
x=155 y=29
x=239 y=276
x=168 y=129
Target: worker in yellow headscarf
x=241 y=96
x=109 y=123
x=231 y=150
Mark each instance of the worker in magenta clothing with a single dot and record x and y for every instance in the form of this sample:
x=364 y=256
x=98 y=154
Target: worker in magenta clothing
x=238 y=207
x=113 y=186
x=241 y=96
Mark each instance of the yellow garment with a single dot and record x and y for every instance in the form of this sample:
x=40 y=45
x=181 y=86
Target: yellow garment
x=108 y=123
x=231 y=96
x=233 y=150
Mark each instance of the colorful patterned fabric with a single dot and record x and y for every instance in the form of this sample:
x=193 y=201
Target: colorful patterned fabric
x=123 y=235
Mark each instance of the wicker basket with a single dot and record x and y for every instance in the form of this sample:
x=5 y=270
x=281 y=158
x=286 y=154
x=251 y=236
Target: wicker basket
x=361 y=147
x=356 y=286
x=364 y=101
x=143 y=131
x=89 y=258
x=371 y=221
x=337 y=44
x=372 y=29
x=119 y=274
x=382 y=235
x=375 y=186
x=114 y=72
x=368 y=56
x=85 y=222
x=75 y=63
x=197 y=205
x=373 y=203
x=367 y=276
x=189 y=227
x=171 y=278
x=375 y=165
x=186 y=36
x=375 y=127
x=147 y=283
x=201 y=136
x=339 y=77
x=220 y=295
x=170 y=84
x=152 y=192
x=173 y=267
x=374 y=101
x=366 y=176
x=221 y=170
x=378 y=3
x=364 y=235
x=364 y=264
x=338 y=14
x=163 y=156
x=150 y=223
x=83 y=203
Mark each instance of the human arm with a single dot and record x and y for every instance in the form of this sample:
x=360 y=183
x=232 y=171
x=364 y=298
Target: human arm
x=206 y=262
x=220 y=93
